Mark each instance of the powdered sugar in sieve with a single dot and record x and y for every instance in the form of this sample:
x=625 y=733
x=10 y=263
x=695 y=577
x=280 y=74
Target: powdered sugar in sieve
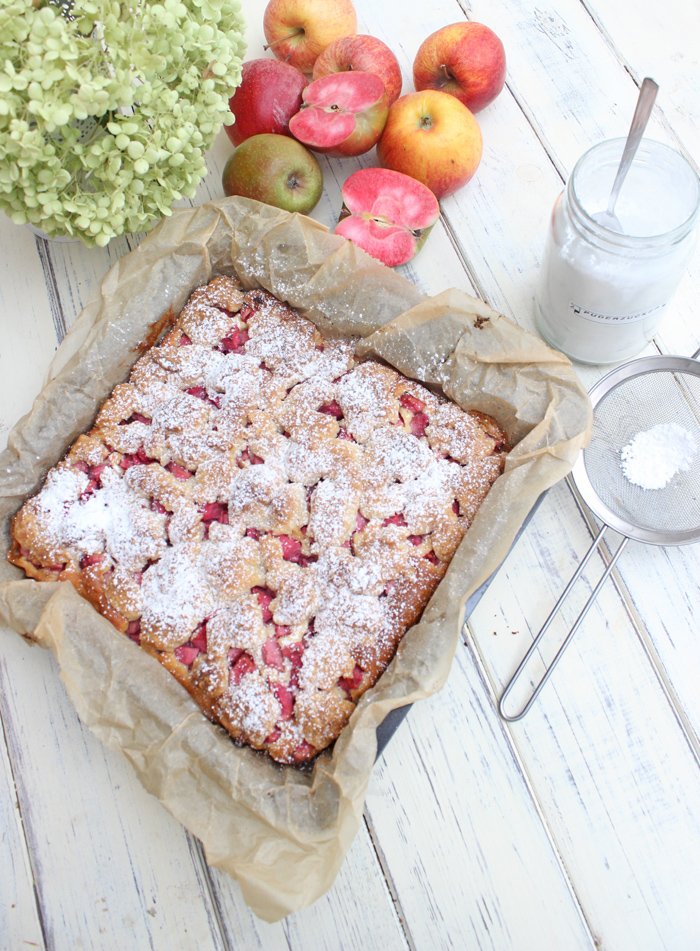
x=654 y=456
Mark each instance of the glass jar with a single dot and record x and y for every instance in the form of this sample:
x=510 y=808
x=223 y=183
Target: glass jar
x=602 y=293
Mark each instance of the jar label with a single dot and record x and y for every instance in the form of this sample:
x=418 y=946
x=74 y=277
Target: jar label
x=578 y=310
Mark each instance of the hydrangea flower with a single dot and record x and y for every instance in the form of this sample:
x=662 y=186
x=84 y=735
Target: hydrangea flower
x=108 y=106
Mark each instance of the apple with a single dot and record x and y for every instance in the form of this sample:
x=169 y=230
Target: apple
x=466 y=60
x=432 y=137
x=275 y=169
x=342 y=113
x=387 y=214
x=365 y=53
x=267 y=98
x=297 y=31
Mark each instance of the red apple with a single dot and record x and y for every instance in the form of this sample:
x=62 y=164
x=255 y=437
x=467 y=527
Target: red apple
x=466 y=60
x=365 y=53
x=299 y=30
x=267 y=98
x=275 y=169
x=342 y=114
x=387 y=214
x=432 y=137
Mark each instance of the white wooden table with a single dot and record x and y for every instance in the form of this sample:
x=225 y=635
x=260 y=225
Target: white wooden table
x=578 y=827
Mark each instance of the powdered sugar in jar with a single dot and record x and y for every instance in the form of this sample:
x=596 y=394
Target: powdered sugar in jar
x=602 y=293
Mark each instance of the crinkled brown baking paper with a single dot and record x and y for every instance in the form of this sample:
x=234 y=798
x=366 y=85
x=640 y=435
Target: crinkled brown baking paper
x=280 y=831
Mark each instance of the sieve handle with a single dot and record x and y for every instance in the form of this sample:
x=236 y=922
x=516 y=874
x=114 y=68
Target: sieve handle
x=511 y=718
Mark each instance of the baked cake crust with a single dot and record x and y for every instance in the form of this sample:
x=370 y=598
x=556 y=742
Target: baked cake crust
x=263 y=513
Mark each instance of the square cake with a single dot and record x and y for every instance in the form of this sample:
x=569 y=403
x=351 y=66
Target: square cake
x=263 y=513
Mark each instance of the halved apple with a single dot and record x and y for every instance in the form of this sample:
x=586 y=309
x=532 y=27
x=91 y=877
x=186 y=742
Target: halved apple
x=342 y=114
x=387 y=214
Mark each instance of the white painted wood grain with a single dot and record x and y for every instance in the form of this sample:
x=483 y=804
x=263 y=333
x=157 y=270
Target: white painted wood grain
x=659 y=40
x=461 y=834
x=663 y=586
x=20 y=926
x=72 y=274
x=26 y=327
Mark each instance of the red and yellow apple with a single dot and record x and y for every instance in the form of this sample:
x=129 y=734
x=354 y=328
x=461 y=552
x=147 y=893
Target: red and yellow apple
x=297 y=31
x=275 y=169
x=431 y=137
x=466 y=60
x=267 y=98
x=366 y=53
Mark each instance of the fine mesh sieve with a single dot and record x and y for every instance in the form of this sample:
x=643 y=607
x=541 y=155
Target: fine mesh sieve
x=631 y=398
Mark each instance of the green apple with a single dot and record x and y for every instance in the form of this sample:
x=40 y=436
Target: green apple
x=275 y=169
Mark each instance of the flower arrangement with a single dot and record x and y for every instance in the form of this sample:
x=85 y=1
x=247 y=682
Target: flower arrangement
x=107 y=108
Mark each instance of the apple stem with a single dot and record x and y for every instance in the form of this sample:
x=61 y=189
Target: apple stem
x=446 y=73
x=283 y=39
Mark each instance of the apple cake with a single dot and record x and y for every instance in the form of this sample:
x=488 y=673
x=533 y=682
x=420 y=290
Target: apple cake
x=264 y=513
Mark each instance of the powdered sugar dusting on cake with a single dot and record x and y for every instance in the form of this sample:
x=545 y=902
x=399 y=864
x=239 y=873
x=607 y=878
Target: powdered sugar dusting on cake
x=333 y=512
x=396 y=454
x=253 y=708
x=176 y=595
x=298 y=596
x=429 y=496
x=112 y=520
x=289 y=347
x=364 y=395
x=62 y=489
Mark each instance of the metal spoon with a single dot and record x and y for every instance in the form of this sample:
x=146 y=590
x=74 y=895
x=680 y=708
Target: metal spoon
x=645 y=102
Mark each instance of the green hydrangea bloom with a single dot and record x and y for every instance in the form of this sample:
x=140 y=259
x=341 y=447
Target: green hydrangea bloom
x=108 y=106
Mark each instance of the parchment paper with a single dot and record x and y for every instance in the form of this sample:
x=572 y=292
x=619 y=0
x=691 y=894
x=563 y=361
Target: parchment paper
x=280 y=831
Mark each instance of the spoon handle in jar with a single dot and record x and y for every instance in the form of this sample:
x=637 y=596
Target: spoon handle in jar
x=645 y=103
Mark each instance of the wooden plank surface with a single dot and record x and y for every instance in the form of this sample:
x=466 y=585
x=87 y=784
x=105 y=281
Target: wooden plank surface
x=659 y=40
x=20 y=924
x=576 y=828
x=29 y=337
x=460 y=831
